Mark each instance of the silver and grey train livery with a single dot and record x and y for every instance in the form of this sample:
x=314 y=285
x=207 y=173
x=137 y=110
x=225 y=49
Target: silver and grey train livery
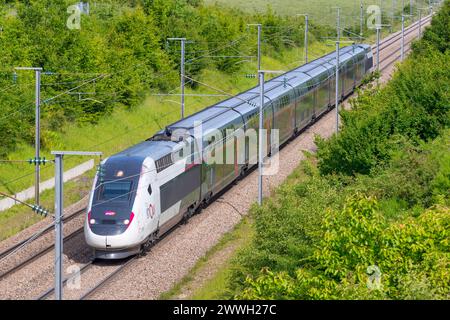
x=142 y=192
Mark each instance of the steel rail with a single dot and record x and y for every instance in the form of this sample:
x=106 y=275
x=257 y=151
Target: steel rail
x=45 y=231
x=51 y=290
x=39 y=254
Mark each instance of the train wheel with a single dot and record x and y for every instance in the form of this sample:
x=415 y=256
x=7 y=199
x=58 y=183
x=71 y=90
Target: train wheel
x=241 y=174
x=149 y=243
x=207 y=200
x=188 y=214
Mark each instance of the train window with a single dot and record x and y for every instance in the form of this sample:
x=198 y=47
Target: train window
x=213 y=148
x=149 y=189
x=117 y=191
x=180 y=153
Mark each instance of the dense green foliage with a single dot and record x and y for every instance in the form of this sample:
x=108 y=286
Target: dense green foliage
x=414 y=107
x=123 y=46
x=368 y=216
x=411 y=257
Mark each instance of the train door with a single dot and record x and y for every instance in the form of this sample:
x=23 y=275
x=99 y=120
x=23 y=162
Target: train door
x=251 y=139
x=268 y=123
x=283 y=116
x=147 y=214
x=322 y=94
x=228 y=155
x=332 y=88
x=342 y=76
x=293 y=109
x=208 y=170
x=150 y=206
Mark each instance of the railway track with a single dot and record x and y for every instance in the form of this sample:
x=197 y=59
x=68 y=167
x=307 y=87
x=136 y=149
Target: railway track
x=6 y=252
x=105 y=280
x=397 y=35
x=41 y=252
x=387 y=43
x=394 y=39
x=50 y=291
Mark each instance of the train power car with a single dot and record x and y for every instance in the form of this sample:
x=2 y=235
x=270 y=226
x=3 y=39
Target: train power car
x=142 y=192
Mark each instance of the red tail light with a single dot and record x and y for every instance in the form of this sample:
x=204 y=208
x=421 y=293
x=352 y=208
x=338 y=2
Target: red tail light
x=90 y=221
x=127 y=222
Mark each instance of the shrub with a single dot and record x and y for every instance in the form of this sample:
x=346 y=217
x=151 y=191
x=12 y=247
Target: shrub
x=410 y=259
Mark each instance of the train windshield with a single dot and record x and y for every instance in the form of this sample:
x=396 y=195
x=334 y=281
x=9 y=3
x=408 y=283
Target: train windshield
x=117 y=191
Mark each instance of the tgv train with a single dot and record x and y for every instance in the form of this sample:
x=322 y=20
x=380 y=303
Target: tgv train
x=144 y=191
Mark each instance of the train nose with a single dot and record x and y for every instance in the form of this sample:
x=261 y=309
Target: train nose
x=107 y=222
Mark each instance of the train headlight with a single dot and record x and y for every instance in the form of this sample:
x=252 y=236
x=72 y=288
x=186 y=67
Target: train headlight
x=126 y=222
x=92 y=221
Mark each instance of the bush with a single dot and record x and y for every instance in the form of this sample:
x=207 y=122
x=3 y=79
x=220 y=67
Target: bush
x=362 y=255
x=413 y=107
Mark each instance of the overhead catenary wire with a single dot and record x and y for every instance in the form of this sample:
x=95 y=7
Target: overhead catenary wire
x=188 y=155
x=230 y=43
x=26 y=243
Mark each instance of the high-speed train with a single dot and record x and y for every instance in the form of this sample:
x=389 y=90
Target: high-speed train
x=142 y=192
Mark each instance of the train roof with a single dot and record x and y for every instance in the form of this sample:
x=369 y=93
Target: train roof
x=155 y=149
x=248 y=100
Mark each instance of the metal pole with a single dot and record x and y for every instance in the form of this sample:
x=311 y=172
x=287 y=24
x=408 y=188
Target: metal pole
x=337 y=86
x=182 y=76
x=338 y=24
x=259 y=46
x=306 y=38
x=378 y=48
x=182 y=70
x=59 y=208
x=410 y=9
x=259 y=43
x=392 y=14
x=260 y=136
x=420 y=23
x=403 y=37
x=361 y=19
x=59 y=205
x=37 y=143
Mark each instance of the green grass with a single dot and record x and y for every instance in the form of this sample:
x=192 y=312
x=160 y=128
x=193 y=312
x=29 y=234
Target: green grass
x=217 y=286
